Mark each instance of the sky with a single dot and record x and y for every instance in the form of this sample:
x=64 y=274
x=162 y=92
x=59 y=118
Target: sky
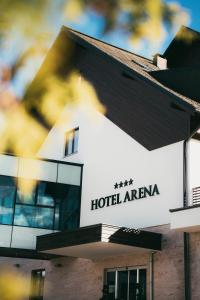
x=93 y=24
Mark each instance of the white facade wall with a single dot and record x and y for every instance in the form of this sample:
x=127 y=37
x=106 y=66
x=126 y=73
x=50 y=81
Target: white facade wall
x=109 y=156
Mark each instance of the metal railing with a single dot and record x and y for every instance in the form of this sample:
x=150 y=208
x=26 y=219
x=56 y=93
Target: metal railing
x=196 y=195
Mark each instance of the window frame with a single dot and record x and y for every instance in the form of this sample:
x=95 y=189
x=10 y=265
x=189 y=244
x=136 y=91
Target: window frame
x=73 y=132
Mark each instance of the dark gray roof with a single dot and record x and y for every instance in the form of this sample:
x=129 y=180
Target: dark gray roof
x=139 y=64
x=140 y=104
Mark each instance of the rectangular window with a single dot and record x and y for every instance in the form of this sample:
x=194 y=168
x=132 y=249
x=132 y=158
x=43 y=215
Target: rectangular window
x=67 y=207
x=126 y=284
x=27 y=198
x=50 y=205
x=34 y=216
x=7 y=197
x=37 y=284
x=71 y=143
x=46 y=193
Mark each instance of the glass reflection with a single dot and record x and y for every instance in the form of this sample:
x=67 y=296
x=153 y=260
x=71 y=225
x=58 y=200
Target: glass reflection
x=26 y=198
x=49 y=206
x=7 y=195
x=76 y=136
x=46 y=193
x=67 y=206
x=122 y=284
x=33 y=216
x=111 y=285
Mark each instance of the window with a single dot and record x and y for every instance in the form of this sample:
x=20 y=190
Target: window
x=26 y=198
x=126 y=284
x=71 y=144
x=67 y=207
x=7 y=198
x=33 y=216
x=54 y=206
x=36 y=209
x=37 y=284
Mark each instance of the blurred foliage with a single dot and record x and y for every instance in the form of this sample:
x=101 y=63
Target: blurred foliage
x=24 y=124
x=31 y=15
x=143 y=19
x=13 y=285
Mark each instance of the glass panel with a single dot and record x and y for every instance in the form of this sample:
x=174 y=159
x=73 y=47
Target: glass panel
x=111 y=285
x=122 y=285
x=28 y=198
x=57 y=217
x=76 y=135
x=44 y=217
x=132 y=284
x=69 y=174
x=37 y=284
x=128 y=286
x=68 y=205
x=142 y=285
x=46 y=193
x=33 y=216
x=7 y=195
x=69 y=143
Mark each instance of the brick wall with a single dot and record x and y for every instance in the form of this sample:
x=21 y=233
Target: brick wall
x=80 y=279
x=195 y=265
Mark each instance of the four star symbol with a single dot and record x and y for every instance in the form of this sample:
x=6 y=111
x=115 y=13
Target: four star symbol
x=130 y=181
x=121 y=184
x=125 y=183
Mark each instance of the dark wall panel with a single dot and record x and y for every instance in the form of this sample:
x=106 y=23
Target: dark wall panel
x=138 y=108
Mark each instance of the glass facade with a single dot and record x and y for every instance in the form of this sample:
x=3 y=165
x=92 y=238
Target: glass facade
x=33 y=216
x=53 y=206
x=7 y=199
x=126 y=284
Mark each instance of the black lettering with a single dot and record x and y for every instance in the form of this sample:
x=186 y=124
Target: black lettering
x=148 y=190
x=155 y=190
x=141 y=193
x=114 y=199
x=107 y=200
x=118 y=200
x=94 y=204
x=101 y=202
x=134 y=195
x=127 y=197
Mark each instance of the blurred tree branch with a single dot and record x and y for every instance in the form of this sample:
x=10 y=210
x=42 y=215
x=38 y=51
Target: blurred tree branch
x=143 y=19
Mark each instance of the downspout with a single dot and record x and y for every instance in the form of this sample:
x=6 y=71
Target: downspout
x=151 y=271
x=186 y=236
x=187 y=265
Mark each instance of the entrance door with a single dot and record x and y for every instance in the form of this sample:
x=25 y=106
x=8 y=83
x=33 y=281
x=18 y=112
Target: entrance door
x=126 y=284
x=37 y=284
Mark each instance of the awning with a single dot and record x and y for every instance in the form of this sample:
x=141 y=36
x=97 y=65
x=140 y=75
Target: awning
x=98 y=240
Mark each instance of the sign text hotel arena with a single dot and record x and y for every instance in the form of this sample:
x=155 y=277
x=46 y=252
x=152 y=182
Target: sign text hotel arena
x=118 y=198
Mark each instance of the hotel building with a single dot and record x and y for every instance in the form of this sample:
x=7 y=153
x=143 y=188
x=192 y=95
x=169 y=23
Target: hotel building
x=115 y=212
